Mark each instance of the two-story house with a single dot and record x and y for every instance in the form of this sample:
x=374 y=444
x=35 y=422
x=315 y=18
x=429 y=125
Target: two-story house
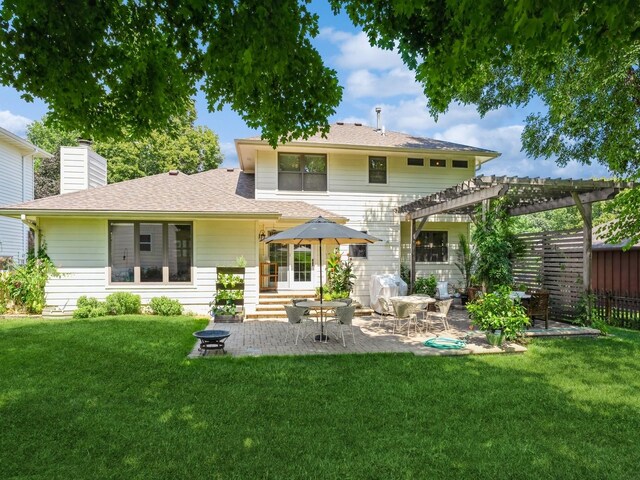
x=167 y=234
x=16 y=186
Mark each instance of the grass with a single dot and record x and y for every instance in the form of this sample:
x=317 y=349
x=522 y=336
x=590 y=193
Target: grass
x=117 y=398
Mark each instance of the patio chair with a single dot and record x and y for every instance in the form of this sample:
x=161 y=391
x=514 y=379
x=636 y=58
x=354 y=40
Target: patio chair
x=297 y=320
x=344 y=318
x=296 y=301
x=538 y=306
x=440 y=314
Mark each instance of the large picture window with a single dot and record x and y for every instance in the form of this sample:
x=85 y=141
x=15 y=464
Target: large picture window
x=302 y=172
x=432 y=247
x=150 y=252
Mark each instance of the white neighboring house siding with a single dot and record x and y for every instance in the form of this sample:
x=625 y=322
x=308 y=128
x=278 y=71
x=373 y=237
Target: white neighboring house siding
x=79 y=249
x=16 y=186
x=370 y=206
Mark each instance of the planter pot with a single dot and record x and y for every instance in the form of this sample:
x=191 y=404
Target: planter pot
x=495 y=338
x=228 y=318
x=464 y=298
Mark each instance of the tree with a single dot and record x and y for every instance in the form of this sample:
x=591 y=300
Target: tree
x=582 y=59
x=111 y=65
x=183 y=146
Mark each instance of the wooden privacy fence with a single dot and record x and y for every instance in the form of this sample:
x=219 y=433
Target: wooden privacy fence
x=553 y=261
x=618 y=309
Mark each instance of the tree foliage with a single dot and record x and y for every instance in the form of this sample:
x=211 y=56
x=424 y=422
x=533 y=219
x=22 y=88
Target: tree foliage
x=496 y=245
x=183 y=146
x=108 y=65
x=581 y=59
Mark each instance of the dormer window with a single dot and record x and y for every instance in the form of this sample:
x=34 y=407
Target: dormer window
x=302 y=172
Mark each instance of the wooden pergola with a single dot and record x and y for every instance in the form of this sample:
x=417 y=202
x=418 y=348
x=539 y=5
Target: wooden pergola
x=523 y=195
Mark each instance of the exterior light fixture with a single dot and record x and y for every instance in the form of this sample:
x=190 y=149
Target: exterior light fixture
x=261 y=235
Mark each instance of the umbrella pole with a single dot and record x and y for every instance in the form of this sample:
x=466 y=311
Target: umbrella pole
x=322 y=336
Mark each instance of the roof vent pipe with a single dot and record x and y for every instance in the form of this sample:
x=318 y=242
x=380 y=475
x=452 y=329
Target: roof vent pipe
x=378 y=111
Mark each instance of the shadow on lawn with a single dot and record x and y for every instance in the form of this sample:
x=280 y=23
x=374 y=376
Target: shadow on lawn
x=99 y=398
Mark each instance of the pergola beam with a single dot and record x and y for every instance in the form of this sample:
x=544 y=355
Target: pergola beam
x=460 y=202
x=584 y=198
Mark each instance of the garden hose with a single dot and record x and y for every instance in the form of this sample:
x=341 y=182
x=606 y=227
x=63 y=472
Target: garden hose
x=445 y=343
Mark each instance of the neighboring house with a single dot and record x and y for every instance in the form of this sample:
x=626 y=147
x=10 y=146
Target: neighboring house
x=16 y=186
x=166 y=234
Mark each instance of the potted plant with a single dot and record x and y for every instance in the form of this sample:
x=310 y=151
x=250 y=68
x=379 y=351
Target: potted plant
x=498 y=315
x=340 y=277
x=465 y=262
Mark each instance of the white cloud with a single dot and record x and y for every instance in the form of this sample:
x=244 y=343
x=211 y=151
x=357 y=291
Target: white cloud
x=397 y=81
x=355 y=52
x=14 y=123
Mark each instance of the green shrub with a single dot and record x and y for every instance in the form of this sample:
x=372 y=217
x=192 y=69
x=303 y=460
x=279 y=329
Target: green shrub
x=123 y=303
x=165 y=306
x=426 y=285
x=90 y=307
x=498 y=311
x=24 y=285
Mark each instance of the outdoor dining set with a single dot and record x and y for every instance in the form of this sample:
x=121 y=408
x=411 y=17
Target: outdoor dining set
x=326 y=315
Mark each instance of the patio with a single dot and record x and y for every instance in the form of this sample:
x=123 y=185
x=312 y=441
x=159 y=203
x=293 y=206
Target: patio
x=255 y=338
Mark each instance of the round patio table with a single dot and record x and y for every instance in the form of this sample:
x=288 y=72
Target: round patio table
x=321 y=306
x=211 y=340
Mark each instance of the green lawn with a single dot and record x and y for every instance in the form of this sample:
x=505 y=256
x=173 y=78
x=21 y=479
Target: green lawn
x=117 y=398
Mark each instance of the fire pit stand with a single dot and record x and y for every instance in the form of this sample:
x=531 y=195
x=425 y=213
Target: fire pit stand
x=211 y=340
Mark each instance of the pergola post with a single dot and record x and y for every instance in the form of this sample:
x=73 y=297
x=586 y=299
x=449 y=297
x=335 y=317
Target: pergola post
x=415 y=232
x=587 y=233
x=412 y=268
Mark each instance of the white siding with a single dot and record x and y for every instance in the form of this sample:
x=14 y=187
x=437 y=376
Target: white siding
x=73 y=169
x=371 y=207
x=97 y=170
x=16 y=186
x=79 y=248
x=81 y=168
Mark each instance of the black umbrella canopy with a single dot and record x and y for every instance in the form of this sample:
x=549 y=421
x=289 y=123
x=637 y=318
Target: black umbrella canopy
x=320 y=230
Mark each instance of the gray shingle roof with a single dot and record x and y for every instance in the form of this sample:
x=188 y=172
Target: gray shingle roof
x=219 y=191
x=354 y=134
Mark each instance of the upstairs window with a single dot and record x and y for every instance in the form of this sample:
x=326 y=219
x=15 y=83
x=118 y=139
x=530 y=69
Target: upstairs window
x=302 y=172
x=432 y=247
x=435 y=162
x=377 y=169
x=460 y=163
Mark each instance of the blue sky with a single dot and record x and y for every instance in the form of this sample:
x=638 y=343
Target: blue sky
x=371 y=77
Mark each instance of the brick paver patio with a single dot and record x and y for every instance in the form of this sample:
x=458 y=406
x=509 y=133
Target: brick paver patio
x=267 y=337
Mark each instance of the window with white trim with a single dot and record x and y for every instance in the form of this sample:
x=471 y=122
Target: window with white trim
x=377 y=169
x=358 y=250
x=302 y=172
x=432 y=247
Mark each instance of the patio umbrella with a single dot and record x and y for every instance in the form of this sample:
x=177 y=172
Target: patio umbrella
x=319 y=231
